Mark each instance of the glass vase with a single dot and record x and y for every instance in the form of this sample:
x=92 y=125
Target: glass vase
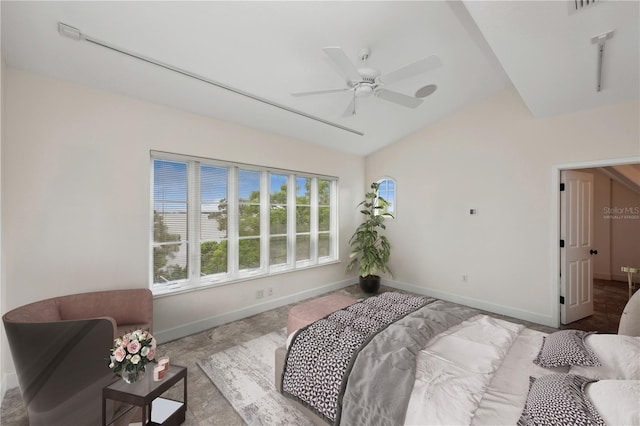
x=132 y=376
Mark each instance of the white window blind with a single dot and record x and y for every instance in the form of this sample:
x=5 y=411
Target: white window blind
x=213 y=220
x=170 y=223
x=278 y=211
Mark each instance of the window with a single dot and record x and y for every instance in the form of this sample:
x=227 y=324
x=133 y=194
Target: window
x=303 y=219
x=217 y=222
x=387 y=190
x=278 y=253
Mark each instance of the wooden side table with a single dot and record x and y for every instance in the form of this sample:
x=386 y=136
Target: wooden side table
x=146 y=394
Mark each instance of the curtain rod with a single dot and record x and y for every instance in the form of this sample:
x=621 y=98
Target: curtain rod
x=76 y=34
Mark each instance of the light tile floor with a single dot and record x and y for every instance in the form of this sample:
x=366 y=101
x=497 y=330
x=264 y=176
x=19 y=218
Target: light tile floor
x=206 y=405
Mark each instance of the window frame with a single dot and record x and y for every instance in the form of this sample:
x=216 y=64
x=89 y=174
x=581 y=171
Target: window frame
x=195 y=280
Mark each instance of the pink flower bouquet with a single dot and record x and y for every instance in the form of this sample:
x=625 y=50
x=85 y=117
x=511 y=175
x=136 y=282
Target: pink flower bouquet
x=132 y=352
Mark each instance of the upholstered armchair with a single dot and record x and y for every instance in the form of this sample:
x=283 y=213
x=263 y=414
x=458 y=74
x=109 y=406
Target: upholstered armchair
x=60 y=350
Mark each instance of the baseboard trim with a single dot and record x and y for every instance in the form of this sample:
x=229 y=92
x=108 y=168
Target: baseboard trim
x=602 y=276
x=625 y=278
x=474 y=303
x=163 y=336
x=619 y=276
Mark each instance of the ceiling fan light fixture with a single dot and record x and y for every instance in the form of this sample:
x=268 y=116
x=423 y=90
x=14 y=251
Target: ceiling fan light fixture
x=363 y=91
x=425 y=91
x=367 y=82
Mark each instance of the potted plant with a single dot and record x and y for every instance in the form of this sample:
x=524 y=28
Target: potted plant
x=369 y=249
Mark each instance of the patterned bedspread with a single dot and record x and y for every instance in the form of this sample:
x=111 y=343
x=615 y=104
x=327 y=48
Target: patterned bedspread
x=322 y=355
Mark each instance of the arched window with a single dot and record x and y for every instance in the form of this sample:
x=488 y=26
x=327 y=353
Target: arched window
x=387 y=190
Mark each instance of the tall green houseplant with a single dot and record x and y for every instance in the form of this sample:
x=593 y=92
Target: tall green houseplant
x=369 y=249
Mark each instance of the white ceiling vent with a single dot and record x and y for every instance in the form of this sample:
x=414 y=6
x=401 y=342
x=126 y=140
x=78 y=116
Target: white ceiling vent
x=578 y=5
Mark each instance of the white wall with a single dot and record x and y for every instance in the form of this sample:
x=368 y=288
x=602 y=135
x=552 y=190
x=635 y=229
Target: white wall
x=497 y=158
x=625 y=231
x=76 y=198
x=616 y=219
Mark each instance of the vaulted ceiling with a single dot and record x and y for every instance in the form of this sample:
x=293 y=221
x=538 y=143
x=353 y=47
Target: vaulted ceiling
x=273 y=49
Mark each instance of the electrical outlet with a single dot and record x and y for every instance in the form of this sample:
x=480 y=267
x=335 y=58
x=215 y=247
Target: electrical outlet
x=465 y=278
x=269 y=291
x=259 y=294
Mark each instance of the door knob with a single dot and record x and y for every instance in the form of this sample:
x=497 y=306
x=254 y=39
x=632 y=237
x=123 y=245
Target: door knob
x=593 y=251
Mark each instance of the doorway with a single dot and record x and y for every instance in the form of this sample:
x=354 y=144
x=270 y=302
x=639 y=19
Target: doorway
x=577 y=250
x=610 y=298
x=616 y=239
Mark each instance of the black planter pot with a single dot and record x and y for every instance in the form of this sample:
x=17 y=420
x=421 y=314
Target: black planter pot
x=370 y=283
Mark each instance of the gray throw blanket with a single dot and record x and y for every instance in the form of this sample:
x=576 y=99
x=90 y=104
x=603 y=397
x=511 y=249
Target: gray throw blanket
x=357 y=365
x=321 y=355
x=381 y=380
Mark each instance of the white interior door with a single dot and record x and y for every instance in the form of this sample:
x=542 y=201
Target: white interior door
x=576 y=231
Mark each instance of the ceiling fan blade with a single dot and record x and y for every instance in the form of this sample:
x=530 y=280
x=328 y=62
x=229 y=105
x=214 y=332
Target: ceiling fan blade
x=320 y=92
x=338 y=57
x=351 y=109
x=398 y=98
x=419 y=67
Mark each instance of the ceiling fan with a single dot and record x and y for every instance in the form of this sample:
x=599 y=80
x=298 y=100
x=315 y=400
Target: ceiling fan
x=365 y=82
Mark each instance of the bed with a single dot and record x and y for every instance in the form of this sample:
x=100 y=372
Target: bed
x=399 y=359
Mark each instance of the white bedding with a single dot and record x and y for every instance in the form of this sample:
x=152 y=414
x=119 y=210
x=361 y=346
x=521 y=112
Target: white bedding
x=475 y=373
x=619 y=356
x=617 y=401
x=505 y=397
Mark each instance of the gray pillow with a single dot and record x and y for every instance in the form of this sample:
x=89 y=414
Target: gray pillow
x=566 y=347
x=559 y=399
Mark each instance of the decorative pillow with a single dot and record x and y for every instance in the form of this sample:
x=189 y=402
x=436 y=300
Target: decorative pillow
x=559 y=399
x=619 y=357
x=565 y=347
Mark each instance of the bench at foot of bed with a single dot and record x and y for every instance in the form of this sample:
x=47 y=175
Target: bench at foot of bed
x=306 y=313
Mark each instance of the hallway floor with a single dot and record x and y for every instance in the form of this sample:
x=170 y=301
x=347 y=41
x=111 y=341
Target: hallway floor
x=609 y=299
